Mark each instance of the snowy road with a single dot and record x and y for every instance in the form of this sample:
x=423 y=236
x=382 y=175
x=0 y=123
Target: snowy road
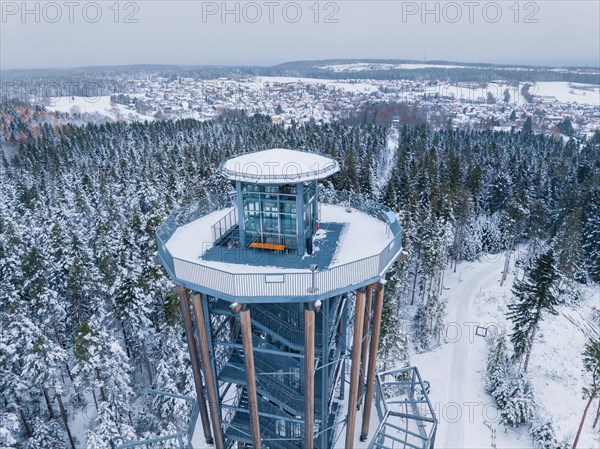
x=462 y=350
x=387 y=160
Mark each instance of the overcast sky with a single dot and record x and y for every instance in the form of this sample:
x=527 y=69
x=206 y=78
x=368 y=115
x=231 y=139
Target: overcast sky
x=82 y=33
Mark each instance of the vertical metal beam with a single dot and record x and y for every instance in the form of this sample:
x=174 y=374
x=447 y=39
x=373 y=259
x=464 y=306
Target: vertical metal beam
x=209 y=342
x=365 y=342
x=300 y=235
x=250 y=375
x=315 y=207
x=372 y=360
x=343 y=342
x=309 y=375
x=239 y=204
x=213 y=400
x=184 y=304
x=359 y=315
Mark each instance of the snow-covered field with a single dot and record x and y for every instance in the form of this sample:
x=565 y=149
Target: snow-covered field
x=456 y=369
x=99 y=106
x=360 y=66
x=556 y=91
x=553 y=91
x=568 y=92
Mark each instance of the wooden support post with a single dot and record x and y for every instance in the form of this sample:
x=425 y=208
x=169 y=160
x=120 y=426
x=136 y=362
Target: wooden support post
x=213 y=401
x=372 y=360
x=359 y=315
x=365 y=343
x=309 y=375
x=184 y=304
x=250 y=376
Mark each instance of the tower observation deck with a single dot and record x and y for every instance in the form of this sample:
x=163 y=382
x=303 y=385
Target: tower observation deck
x=281 y=285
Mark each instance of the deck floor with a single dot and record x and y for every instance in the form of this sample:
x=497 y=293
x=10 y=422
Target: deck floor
x=323 y=252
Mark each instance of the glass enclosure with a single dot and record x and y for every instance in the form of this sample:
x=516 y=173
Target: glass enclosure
x=270 y=214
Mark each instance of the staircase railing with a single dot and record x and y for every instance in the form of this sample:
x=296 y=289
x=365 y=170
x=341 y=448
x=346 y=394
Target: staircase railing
x=290 y=331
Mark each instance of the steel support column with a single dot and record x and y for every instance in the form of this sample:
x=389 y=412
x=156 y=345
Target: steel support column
x=184 y=304
x=250 y=375
x=213 y=401
x=372 y=360
x=309 y=375
x=359 y=315
x=343 y=342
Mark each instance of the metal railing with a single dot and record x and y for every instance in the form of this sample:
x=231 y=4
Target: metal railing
x=224 y=225
x=176 y=437
x=282 y=283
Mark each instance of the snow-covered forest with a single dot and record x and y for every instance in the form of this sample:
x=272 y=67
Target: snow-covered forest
x=88 y=319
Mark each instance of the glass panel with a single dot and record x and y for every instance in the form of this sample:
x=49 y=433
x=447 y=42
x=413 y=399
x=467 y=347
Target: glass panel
x=288 y=224
x=270 y=214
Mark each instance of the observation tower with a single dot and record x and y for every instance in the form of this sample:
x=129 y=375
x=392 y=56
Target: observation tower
x=281 y=286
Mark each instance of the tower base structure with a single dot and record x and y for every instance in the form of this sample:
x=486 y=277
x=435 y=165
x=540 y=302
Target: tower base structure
x=287 y=287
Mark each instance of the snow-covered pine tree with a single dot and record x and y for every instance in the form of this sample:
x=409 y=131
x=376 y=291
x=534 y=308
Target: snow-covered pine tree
x=428 y=322
x=520 y=405
x=102 y=362
x=393 y=340
x=498 y=371
x=534 y=296
x=46 y=434
x=112 y=426
x=544 y=437
x=9 y=430
x=173 y=374
x=43 y=366
x=591 y=244
x=95 y=441
x=569 y=249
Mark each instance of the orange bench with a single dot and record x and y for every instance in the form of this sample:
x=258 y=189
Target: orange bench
x=271 y=246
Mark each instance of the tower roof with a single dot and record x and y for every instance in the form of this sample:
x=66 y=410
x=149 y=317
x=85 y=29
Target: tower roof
x=278 y=166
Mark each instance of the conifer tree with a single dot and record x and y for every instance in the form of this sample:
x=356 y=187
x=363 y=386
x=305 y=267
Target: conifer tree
x=528 y=126
x=534 y=296
x=520 y=405
x=591 y=244
x=591 y=364
x=543 y=435
x=569 y=247
x=46 y=434
x=9 y=430
x=498 y=371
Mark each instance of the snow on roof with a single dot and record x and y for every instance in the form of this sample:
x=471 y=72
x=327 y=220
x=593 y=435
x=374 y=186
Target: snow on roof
x=278 y=165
